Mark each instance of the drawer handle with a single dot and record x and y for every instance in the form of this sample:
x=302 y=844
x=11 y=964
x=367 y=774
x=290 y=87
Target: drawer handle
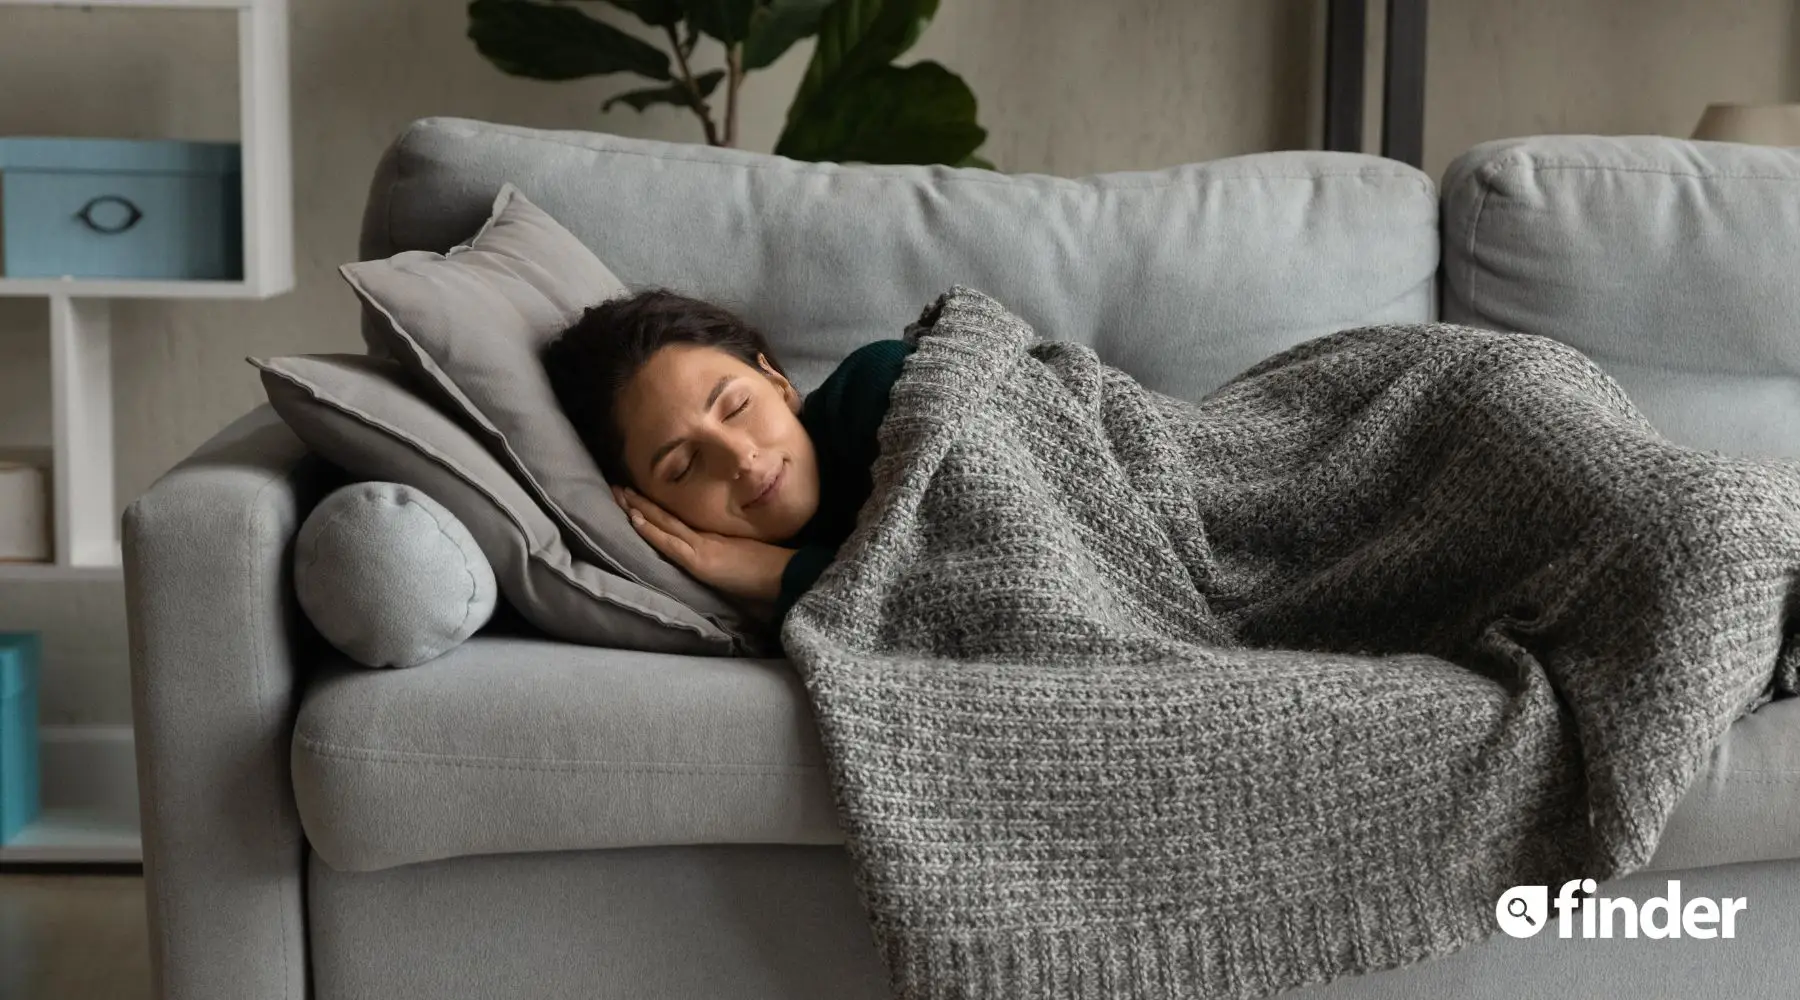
x=133 y=215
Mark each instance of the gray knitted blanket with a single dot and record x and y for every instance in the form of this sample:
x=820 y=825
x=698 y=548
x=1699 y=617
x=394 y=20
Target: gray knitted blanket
x=1126 y=696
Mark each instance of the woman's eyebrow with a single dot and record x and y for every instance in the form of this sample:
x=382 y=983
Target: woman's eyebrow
x=711 y=398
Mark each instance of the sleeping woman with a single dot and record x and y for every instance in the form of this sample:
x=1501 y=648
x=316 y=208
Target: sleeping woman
x=1406 y=578
x=722 y=465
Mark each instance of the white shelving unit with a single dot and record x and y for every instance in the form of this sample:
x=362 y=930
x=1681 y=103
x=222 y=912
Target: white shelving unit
x=81 y=332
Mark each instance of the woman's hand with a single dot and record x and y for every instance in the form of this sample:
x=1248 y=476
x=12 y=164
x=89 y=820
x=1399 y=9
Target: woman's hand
x=744 y=568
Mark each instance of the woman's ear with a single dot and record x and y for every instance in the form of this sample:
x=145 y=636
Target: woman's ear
x=789 y=394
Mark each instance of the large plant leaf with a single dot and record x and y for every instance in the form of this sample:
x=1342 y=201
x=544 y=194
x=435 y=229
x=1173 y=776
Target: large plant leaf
x=556 y=42
x=921 y=113
x=856 y=36
x=656 y=13
x=674 y=93
x=726 y=20
x=777 y=25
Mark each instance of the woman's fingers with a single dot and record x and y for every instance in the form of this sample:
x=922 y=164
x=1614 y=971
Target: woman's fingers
x=655 y=514
x=665 y=532
x=662 y=541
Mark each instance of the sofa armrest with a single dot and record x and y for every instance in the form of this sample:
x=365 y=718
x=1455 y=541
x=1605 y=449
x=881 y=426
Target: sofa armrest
x=215 y=635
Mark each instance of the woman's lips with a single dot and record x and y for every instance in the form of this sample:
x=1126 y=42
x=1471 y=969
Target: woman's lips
x=780 y=477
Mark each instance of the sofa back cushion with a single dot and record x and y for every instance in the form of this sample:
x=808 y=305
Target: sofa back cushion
x=1182 y=276
x=1671 y=263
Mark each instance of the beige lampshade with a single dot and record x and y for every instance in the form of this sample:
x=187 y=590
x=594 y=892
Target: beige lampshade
x=1758 y=124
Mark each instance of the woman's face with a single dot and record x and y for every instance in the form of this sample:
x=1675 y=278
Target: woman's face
x=704 y=433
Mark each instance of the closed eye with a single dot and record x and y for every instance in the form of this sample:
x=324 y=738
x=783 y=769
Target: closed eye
x=745 y=405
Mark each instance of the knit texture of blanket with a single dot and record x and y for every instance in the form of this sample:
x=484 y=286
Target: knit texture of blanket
x=1124 y=696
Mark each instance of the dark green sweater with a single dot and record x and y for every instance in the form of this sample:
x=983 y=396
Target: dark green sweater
x=842 y=416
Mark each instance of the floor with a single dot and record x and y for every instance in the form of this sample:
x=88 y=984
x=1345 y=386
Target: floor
x=73 y=937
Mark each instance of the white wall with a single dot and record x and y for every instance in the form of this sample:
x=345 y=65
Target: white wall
x=1066 y=87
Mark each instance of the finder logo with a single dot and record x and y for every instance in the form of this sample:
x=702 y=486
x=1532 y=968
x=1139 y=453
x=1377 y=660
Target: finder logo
x=1523 y=910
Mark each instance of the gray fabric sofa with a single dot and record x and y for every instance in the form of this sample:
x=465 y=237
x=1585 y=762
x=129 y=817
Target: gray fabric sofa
x=527 y=818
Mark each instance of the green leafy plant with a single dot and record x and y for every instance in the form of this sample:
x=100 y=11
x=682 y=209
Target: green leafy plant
x=853 y=105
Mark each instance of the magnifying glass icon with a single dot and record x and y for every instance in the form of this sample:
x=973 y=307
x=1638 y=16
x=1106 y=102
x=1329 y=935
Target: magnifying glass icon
x=1518 y=908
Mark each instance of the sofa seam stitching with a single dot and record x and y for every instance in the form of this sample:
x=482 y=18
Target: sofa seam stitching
x=1487 y=188
x=1660 y=171
x=444 y=532
x=799 y=169
x=262 y=716
x=372 y=755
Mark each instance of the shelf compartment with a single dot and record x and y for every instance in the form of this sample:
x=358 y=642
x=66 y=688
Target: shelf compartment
x=141 y=4
x=267 y=162
x=26 y=572
x=127 y=288
x=75 y=836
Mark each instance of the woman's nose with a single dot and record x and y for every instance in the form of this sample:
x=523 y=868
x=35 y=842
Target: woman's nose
x=743 y=454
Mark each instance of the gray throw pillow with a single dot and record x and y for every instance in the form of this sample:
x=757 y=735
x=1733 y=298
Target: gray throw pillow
x=360 y=413
x=471 y=323
x=390 y=577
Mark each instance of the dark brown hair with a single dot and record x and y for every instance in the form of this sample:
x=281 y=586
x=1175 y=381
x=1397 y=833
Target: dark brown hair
x=592 y=362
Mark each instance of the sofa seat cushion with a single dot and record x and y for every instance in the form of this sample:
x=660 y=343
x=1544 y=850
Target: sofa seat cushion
x=1745 y=803
x=521 y=744
x=509 y=745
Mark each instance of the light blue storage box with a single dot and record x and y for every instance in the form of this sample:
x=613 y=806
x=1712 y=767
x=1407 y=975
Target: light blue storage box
x=121 y=208
x=19 y=653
